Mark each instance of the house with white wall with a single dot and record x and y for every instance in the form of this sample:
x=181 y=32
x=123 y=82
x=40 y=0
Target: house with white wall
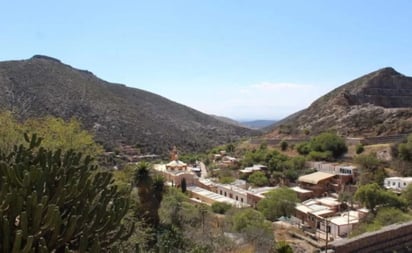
x=397 y=183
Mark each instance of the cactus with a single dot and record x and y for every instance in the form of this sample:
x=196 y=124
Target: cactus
x=57 y=202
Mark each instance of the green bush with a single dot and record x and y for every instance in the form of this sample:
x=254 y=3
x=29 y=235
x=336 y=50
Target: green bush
x=220 y=208
x=359 y=149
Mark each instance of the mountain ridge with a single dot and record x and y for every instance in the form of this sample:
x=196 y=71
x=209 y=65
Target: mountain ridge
x=375 y=104
x=43 y=85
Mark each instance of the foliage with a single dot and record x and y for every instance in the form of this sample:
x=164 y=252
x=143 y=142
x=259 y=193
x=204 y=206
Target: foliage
x=258 y=178
x=284 y=145
x=283 y=247
x=359 y=149
x=54 y=201
x=407 y=195
x=303 y=148
x=290 y=167
x=321 y=156
x=405 y=149
x=150 y=192
x=254 y=227
x=183 y=185
x=277 y=203
x=220 y=207
x=64 y=135
x=329 y=143
x=55 y=132
x=385 y=216
x=11 y=132
x=370 y=168
x=230 y=148
x=226 y=180
x=372 y=196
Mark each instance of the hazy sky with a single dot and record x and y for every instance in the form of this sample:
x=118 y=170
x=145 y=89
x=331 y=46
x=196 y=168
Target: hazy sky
x=241 y=59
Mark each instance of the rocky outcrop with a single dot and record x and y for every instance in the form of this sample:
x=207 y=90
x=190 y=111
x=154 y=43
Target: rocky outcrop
x=379 y=103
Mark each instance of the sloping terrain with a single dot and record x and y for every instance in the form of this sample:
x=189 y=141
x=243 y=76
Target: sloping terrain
x=115 y=113
x=376 y=104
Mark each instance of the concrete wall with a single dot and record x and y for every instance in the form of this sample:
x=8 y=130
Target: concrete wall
x=389 y=239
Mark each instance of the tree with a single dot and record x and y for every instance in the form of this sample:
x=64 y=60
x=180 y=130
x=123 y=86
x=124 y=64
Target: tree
x=150 y=190
x=329 y=142
x=407 y=195
x=55 y=133
x=277 y=203
x=220 y=207
x=384 y=217
x=283 y=145
x=405 y=149
x=64 y=135
x=54 y=201
x=359 y=149
x=254 y=227
x=230 y=148
x=372 y=196
x=183 y=185
x=11 y=132
x=370 y=167
x=258 y=178
x=283 y=247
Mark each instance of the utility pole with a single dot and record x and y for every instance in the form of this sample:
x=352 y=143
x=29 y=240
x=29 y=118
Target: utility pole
x=327 y=235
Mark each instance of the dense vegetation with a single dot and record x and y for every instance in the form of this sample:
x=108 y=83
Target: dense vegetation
x=55 y=201
x=55 y=133
x=325 y=146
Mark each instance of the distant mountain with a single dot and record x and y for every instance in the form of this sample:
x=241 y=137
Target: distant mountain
x=258 y=124
x=228 y=120
x=376 y=104
x=115 y=113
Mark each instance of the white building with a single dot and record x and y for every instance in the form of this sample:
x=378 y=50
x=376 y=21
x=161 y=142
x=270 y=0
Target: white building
x=397 y=183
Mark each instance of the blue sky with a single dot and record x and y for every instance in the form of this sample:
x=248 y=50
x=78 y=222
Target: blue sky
x=240 y=59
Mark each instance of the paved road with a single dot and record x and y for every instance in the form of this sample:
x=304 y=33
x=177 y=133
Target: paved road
x=203 y=170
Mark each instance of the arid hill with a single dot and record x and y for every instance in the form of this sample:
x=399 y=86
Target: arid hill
x=377 y=104
x=115 y=113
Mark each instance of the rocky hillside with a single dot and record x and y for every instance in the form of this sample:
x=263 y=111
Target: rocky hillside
x=115 y=113
x=377 y=104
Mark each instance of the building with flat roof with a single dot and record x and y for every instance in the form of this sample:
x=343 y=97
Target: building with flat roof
x=209 y=197
x=397 y=184
x=317 y=182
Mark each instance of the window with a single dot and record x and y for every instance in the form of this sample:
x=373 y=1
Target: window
x=241 y=200
x=236 y=198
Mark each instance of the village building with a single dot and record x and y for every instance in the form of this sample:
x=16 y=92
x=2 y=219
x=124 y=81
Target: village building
x=249 y=170
x=397 y=184
x=311 y=212
x=347 y=173
x=303 y=194
x=175 y=171
x=254 y=195
x=202 y=195
x=318 y=182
